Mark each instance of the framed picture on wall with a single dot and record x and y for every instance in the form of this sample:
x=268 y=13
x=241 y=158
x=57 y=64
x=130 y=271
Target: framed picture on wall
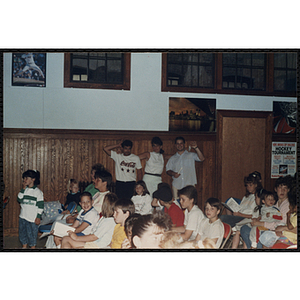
x=29 y=69
x=192 y=114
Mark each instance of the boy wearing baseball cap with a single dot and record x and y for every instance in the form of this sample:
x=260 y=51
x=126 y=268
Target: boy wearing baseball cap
x=165 y=198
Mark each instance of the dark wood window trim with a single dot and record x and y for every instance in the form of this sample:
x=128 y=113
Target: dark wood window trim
x=218 y=81
x=71 y=84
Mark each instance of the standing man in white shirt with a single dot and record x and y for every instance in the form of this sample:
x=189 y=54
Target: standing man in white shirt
x=181 y=166
x=128 y=168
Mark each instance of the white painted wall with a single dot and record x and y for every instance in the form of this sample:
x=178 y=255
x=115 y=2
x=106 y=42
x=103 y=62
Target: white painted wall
x=144 y=107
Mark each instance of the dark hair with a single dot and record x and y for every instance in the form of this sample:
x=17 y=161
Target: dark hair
x=215 y=203
x=34 y=174
x=129 y=223
x=108 y=206
x=143 y=185
x=261 y=194
x=254 y=178
x=287 y=181
x=142 y=223
x=71 y=182
x=125 y=205
x=179 y=138
x=105 y=176
x=88 y=194
x=97 y=166
x=189 y=191
x=127 y=143
x=157 y=141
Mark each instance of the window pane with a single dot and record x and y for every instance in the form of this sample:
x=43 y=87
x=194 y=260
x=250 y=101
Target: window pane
x=187 y=78
x=291 y=84
x=174 y=57
x=258 y=79
x=229 y=77
x=205 y=76
x=79 y=66
x=258 y=59
x=97 y=70
x=279 y=60
x=292 y=60
x=194 y=76
x=206 y=58
x=190 y=57
x=229 y=58
x=244 y=59
x=174 y=74
x=279 y=80
x=114 y=71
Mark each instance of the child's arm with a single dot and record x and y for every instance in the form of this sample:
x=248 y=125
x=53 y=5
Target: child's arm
x=238 y=214
x=108 y=149
x=75 y=224
x=139 y=174
x=145 y=155
x=81 y=227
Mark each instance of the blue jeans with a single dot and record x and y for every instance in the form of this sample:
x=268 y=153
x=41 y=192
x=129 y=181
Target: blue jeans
x=28 y=232
x=245 y=234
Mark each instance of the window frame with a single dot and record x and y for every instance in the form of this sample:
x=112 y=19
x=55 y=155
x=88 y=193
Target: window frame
x=90 y=85
x=218 y=79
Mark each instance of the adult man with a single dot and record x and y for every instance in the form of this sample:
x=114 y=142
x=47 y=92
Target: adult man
x=128 y=168
x=181 y=166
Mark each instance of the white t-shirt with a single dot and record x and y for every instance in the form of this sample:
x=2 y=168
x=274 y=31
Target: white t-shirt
x=142 y=204
x=126 y=166
x=104 y=230
x=211 y=230
x=192 y=220
x=155 y=164
x=98 y=200
x=91 y=217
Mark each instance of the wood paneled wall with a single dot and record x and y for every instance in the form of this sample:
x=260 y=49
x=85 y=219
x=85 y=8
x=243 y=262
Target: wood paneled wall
x=63 y=154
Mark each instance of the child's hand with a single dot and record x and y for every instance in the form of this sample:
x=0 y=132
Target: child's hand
x=37 y=221
x=176 y=175
x=268 y=215
x=125 y=244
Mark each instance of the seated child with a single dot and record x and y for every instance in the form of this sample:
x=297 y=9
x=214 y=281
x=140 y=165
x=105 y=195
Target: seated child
x=193 y=214
x=165 y=197
x=211 y=227
x=101 y=235
x=141 y=198
x=73 y=195
x=267 y=213
x=147 y=230
x=128 y=230
x=124 y=208
x=86 y=219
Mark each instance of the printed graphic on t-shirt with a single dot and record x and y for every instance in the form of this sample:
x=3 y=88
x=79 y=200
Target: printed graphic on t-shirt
x=127 y=167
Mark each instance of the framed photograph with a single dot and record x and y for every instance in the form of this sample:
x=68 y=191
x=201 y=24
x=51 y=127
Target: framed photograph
x=29 y=69
x=192 y=114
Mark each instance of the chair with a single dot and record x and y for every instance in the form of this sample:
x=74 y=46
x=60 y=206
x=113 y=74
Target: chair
x=45 y=229
x=227 y=234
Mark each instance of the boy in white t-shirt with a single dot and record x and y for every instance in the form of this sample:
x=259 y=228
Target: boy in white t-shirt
x=192 y=214
x=211 y=227
x=128 y=168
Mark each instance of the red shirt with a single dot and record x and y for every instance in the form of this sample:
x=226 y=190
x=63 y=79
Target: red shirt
x=176 y=214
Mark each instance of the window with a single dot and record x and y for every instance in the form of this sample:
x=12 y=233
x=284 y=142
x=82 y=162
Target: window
x=285 y=71
x=190 y=70
x=244 y=71
x=99 y=70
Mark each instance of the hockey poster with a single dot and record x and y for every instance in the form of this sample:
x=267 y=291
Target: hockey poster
x=29 y=69
x=284 y=159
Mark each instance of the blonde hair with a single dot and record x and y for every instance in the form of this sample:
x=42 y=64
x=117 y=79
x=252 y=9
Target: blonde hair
x=70 y=183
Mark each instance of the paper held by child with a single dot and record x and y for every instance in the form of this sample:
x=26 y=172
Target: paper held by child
x=61 y=229
x=232 y=205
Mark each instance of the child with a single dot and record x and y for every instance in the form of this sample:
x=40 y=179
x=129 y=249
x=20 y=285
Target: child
x=86 y=219
x=141 y=199
x=282 y=188
x=211 y=227
x=193 y=214
x=165 y=198
x=31 y=199
x=124 y=208
x=128 y=230
x=73 y=194
x=101 y=235
x=147 y=230
x=128 y=168
x=252 y=183
x=267 y=213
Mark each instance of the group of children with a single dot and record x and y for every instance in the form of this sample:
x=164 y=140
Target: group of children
x=105 y=220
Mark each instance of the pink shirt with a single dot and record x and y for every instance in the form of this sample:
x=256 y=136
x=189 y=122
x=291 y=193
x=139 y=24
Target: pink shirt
x=283 y=208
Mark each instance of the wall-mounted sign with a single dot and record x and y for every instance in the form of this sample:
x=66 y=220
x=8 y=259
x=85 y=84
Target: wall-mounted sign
x=284 y=159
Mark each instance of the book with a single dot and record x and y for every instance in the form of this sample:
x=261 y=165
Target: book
x=232 y=205
x=61 y=229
